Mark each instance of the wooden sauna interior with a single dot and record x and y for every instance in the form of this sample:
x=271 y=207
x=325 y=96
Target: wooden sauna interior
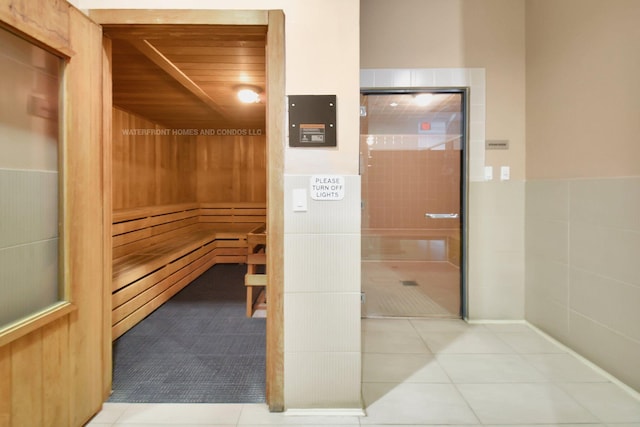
x=189 y=159
x=182 y=82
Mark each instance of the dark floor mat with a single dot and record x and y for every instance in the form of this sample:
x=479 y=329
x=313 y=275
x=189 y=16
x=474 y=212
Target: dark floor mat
x=199 y=347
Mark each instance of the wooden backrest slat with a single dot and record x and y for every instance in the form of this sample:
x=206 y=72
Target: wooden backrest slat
x=138 y=228
x=132 y=236
x=139 y=245
x=122 y=215
x=129 y=226
x=232 y=211
x=241 y=205
x=174 y=225
x=233 y=219
x=174 y=216
x=149 y=231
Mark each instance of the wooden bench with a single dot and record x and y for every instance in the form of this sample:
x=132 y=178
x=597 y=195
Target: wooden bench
x=158 y=250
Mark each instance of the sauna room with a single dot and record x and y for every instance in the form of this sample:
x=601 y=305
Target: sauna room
x=189 y=213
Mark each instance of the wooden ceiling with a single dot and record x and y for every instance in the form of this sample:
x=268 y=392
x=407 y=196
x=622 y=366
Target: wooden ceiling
x=187 y=76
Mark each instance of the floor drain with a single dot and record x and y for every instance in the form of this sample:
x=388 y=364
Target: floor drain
x=409 y=283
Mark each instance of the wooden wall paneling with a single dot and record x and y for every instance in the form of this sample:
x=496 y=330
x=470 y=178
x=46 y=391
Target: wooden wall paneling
x=117 y=165
x=107 y=186
x=214 y=178
x=275 y=208
x=153 y=169
x=55 y=374
x=5 y=386
x=45 y=21
x=84 y=216
x=52 y=376
x=231 y=168
x=26 y=380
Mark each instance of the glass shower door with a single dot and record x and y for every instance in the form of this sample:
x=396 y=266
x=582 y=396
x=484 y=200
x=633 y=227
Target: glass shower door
x=411 y=166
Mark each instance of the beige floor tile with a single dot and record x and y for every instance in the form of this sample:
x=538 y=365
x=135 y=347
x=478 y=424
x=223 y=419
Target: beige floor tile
x=393 y=342
x=488 y=368
x=181 y=414
x=471 y=342
x=529 y=342
x=387 y=325
x=563 y=367
x=110 y=413
x=415 y=404
x=399 y=368
x=446 y=325
x=542 y=403
x=606 y=401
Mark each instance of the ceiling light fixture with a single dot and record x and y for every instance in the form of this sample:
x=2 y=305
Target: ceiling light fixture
x=423 y=99
x=248 y=94
x=394 y=104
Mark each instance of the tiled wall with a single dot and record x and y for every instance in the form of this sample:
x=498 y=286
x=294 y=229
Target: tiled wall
x=582 y=269
x=322 y=299
x=496 y=250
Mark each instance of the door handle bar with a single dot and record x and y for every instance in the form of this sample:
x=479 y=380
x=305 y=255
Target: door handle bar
x=442 y=215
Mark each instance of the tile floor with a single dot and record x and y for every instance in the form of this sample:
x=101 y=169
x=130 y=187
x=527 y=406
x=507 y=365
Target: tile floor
x=437 y=372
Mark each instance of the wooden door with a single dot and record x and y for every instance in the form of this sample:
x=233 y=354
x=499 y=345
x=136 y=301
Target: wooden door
x=52 y=365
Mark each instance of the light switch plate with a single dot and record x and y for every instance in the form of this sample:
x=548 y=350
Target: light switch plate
x=488 y=173
x=299 y=199
x=505 y=173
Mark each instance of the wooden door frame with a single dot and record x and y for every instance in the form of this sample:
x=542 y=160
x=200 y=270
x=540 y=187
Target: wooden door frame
x=275 y=70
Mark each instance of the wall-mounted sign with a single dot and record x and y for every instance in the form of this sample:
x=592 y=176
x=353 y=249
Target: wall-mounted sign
x=496 y=144
x=312 y=120
x=327 y=187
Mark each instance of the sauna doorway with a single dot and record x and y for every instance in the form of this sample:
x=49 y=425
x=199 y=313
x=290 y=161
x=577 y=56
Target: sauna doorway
x=193 y=106
x=412 y=165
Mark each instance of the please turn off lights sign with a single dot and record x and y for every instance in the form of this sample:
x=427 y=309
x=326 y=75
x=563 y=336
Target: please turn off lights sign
x=327 y=187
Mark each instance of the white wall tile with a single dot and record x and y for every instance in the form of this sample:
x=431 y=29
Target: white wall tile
x=608 y=202
x=477 y=94
x=547 y=239
x=341 y=216
x=477 y=113
x=460 y=77
x=549 y=278
x=606 y=301
x=548 y=199
x=613 y=352
x=317 y=322
x=322 y=263
x=610 y=252
x=392 y=78
x=422 y=78
x=582 y=270
x=322 y=380
x=546 y=314
x=498 y=301
x=367 y=78
x=442 y=77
